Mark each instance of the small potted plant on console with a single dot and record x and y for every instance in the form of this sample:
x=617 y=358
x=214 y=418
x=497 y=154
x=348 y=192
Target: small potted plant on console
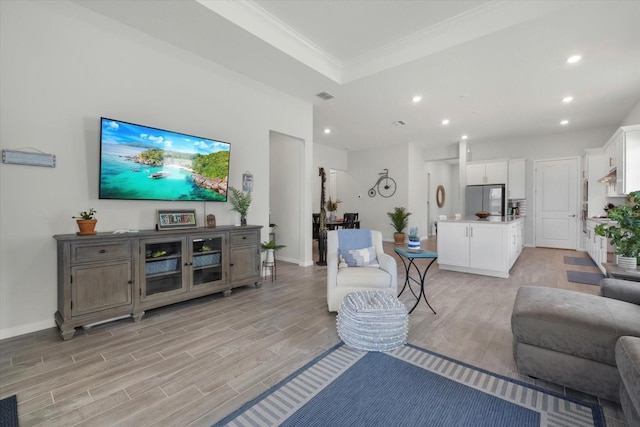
x=86 y=222
x=240 y=202
x=624 y=231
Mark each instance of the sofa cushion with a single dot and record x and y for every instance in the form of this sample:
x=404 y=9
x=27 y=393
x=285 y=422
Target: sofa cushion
x=571 y=322
x=373 y=277
x=628 y=360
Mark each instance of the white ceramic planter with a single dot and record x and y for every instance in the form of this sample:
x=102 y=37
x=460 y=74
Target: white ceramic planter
x=628 y=263
x=270 y=256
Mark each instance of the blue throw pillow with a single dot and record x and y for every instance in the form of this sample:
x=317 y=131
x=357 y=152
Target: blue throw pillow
x=359 y=257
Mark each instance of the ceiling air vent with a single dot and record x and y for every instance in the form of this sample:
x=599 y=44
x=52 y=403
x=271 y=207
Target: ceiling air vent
x=399 y=123
x=324 y=95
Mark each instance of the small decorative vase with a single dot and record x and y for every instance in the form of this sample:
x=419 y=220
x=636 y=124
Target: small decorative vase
x=628 y=263
x=332 y=217
x=414 y=244
x=243 y=220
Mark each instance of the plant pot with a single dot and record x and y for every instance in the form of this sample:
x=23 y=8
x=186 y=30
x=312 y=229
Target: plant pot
x=414 y=243
x=270 y=256
x=243 y=220
x=87 y=227
x=399 y=238
x=628 y=263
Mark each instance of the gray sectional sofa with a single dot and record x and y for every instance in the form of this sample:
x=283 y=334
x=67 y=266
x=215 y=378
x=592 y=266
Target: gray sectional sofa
x=572 y=339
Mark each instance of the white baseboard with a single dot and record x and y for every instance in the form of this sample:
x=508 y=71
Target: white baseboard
x=25 y=329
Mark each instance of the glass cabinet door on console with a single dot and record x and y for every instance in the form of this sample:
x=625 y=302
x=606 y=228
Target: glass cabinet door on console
x=162 y=269
x=207 y=261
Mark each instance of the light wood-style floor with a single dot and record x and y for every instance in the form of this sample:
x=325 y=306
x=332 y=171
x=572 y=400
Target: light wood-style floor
x=194 y=362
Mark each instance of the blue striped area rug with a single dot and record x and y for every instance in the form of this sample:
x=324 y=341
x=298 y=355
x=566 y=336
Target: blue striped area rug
x=409 y=386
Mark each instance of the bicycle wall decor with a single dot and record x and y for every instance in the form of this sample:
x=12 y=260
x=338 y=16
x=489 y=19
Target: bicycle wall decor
x=385 y=185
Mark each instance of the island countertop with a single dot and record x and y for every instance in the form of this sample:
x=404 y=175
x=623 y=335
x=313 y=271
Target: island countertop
x=489 y=220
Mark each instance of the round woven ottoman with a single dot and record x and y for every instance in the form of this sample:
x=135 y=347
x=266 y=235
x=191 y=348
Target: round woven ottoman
x=372 y=321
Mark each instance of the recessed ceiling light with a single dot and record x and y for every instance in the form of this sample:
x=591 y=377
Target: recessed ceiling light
x=416 y=98
x=327 y=131
x=573 y=59
x=464 y=136
x=445 y=122
x=567 y=99
x=564 y=122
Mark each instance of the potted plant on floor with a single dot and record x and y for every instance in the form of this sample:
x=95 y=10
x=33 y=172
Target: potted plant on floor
x=86 y=222
x=399 y=221
x=271 y=247
x=624 y=232
x=240 y=200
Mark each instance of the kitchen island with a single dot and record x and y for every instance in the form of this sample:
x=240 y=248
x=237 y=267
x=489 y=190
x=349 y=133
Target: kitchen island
x=480 y=246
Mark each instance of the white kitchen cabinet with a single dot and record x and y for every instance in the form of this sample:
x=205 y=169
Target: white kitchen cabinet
x=516 y=183
x=623 y=154
x=515 y=241
x=494 y=172
x=487 y=248
x=453 y=243
x=596 y=245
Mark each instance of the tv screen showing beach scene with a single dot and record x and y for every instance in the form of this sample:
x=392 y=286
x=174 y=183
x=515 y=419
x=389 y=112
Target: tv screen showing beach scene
x=144 y=163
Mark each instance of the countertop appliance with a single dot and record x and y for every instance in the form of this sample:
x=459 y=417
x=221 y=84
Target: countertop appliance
x=487 y=198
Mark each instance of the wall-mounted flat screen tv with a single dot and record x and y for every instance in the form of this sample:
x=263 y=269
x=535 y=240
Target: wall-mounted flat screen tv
x=144 y=163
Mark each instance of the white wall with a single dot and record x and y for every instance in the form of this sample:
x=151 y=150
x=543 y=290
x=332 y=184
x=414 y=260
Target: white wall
x=633 y=118
x=285 y=190
x=364 y=167
x=61 y=68
x=443 y=173
x=418 y=191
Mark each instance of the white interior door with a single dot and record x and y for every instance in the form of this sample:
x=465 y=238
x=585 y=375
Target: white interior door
x=556 y=203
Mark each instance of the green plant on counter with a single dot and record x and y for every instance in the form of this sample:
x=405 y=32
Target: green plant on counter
x=624 y=232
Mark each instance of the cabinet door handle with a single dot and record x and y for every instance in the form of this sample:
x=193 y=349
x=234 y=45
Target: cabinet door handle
x=103 y=251
x=470 y=231
x=466 y=232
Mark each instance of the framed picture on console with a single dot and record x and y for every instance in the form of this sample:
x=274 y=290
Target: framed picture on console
x=175 y=219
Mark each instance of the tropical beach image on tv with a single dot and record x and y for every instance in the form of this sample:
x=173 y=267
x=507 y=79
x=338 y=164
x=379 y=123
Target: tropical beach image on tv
x=144 y=163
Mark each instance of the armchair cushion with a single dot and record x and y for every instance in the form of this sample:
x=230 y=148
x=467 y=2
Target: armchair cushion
x=358 y=257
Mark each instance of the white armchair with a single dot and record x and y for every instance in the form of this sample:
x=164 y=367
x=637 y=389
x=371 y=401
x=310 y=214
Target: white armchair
x=342 y=279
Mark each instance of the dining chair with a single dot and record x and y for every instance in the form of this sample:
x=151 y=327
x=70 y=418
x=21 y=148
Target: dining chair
x=316 y=225
x=350 y=220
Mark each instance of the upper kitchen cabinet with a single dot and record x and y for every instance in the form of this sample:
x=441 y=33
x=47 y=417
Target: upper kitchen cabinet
x=623 y=157
x=517 y=169
x=494 y=172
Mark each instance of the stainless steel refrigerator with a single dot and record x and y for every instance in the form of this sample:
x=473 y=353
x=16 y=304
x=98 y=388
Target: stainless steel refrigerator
x=487 y=198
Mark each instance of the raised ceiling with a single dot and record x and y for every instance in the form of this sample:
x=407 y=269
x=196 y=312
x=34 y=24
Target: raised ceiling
x=495 y=69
